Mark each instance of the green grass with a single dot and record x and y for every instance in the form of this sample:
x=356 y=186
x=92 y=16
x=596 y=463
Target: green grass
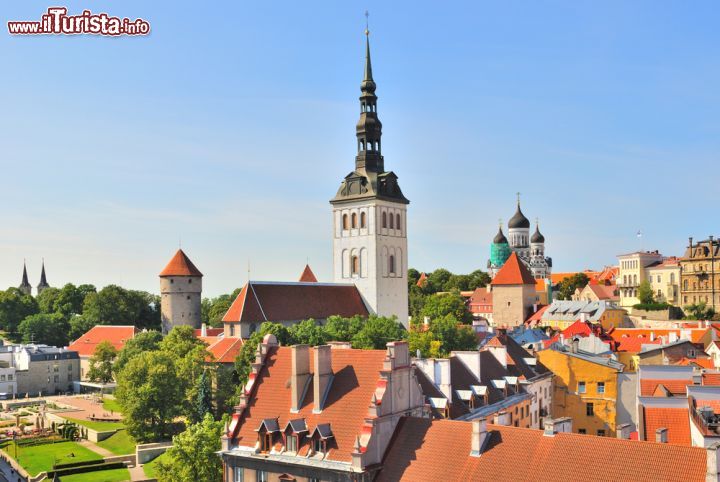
x=112 y=405
x=120 y=443
x=151 y=467
x=112 y=475
x=99 y=426
x=40 y=458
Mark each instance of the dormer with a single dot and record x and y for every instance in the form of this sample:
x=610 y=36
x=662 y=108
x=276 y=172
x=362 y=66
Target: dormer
x=321 y=438
x=293 y=434
x=481 y=392
x=268 y=432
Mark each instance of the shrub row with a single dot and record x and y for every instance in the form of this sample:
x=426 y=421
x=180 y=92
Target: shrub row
x=86 y=468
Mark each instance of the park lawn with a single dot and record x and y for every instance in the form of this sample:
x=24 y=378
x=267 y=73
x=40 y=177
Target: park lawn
x=112 y=475
x=150 y=468
x=112 y=405
x=41 y=458
x=120 y=443
x=99 y=426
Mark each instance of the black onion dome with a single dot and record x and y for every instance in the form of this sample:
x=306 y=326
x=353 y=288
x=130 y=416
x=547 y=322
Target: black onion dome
x=500 y=237
x=537 y=237
x=518 y=220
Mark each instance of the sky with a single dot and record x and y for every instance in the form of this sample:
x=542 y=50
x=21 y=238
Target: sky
x=229 y=128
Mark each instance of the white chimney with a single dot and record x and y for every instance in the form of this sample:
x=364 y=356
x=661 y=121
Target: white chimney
x=322 y=376
x=623 y=431
x=652 y=336
x=479 y=436
x=712 y=452
x=203 y=330
x=661 y=435
x=299 y=375
x=502 y=418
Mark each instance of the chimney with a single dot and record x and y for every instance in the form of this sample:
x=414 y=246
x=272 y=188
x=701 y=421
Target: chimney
x=398 y=355
x=623 y=431
x=299 y=375
x=558 y=425
x=502 y=418
x=479 y=437
x=322 y=376
x=661 y=435
x=712 y=452
x=673 y=336
x=442 y=376
x=652 y=336
x=690 y=239
x=575 y=345
x=203 y=330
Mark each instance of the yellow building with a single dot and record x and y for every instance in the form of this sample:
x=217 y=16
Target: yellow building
x=585 y=388
x=633 y=272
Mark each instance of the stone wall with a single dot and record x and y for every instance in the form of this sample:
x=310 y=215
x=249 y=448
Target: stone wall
x=146 y=452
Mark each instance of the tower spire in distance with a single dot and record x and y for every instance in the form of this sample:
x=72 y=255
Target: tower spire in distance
x=25 y=286
x=43 y=279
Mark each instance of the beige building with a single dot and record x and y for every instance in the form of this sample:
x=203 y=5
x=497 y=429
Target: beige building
x=513 y=293
x=38 y=369
x=701 y=274
x=180 y=293
x=633 y=271
x=664 y=278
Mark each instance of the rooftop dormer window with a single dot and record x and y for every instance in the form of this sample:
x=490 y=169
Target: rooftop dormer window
x=320 y=438
x=266 y=434
x=293 y=433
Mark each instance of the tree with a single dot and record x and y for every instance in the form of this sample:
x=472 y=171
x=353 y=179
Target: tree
x=566 y=287
x=416 y=301
x=180 y=341
x=151 y=395
x=47 y=299
x=699 y=311
x=70 y=299
x=192 y=457
x=203 y=398
x=226 y=385
x=440 y=337
x=48 y=329
x=437 y=280
x=101 y=363
x=338 y=328
x=377 y=331
x=645 y=293
x=15 y=306
x=437 y=306
x=308 y=332
x=142 y=342
x=79 y=325
x=114 y=305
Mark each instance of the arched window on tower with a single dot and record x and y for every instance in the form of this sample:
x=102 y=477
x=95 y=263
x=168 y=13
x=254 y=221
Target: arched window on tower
x=391 y=264
x=353 y=222
x=363 y=220
x=345 y=222
x=384 y=220
x=397 y=221
x=355 y=265
x=392 y=221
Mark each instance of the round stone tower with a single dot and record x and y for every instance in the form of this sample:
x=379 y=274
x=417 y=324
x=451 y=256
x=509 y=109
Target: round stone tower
x=180 y=293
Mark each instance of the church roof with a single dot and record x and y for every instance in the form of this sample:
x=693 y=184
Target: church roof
x=307 y=275
x=43 y=279
x=180 y=265
x=518 y=220
x=537 y=237
x=500 y=237
x=25 y=283
x=513 y=272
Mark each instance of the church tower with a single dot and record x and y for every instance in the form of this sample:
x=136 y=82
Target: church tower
x=25 y=286
x=519 y=232
x=43 y=280
x=180 y=293
x=369 y=217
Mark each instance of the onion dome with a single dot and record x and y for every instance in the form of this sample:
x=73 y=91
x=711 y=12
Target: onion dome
x=537 y=237
x=518 y=220
x=500 y=237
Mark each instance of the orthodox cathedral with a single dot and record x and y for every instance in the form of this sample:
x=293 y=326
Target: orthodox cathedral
x=530 y=249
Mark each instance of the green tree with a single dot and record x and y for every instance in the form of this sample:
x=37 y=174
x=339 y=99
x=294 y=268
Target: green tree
x=566 y=287
x=140 y=343
x=48 y=329
x=699 y=311
x=192 y=457
x=437 y=280
x=203 y=398
x=101 y=363
x=47 y=300
x=79 y=325
x=114 y=305
x=377 y=331
x=70 y=299
x=180 y=341
x=15 y=306
x=440 y=337
x=308 y=332
x=416 y=301
x=151 y=396
x=479 y=279
x=338 y=328
x=645 y=293
x=413 y=277
x=440 y=305
x=226 y=386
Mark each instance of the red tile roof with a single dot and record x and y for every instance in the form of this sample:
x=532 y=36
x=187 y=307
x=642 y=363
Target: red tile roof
x=604 y=292
x=209 y=331
x=258 y=302
x=422 y=281
x=537 y=316
x=676 y=387
x=117 y=335
x=424 y=450
x=701 y=362
x=225 y=349
x=696 y=334
x=711 y=379
x=307 y=275
x=356 y=376
x=675 y=420
x=180 y=265
x=513 y=272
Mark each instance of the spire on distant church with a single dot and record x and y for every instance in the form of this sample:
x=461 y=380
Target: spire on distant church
x=43 y=280
x=25 y=286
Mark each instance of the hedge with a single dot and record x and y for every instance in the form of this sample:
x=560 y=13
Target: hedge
x=652 y=306
x=86 y=468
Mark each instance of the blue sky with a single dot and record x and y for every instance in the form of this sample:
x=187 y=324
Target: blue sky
x=232 y=124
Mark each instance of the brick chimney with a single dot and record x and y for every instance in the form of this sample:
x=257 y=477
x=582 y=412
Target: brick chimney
x=480 y=436
x=623 y=431
x=712 y=453
x=322 y=377
x=299 y=375
x=661 y=435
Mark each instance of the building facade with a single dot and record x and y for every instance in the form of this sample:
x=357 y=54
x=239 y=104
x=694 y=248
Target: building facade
x=700 y=273
x=632 y=272
x=513 y=293
x=37 y=370
x=370 y=218
x=180 y=293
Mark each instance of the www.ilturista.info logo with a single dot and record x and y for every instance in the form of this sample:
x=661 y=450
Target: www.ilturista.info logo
x=57 y=22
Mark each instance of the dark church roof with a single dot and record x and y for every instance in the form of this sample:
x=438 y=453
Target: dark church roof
x=500 y=237
x=537 y=237
x=518 y=220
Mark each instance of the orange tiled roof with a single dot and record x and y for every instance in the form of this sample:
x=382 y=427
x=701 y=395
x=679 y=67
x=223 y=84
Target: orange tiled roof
x=209 y=331
x=696 y=334
x=711 y=379
x=307 y=275
x=180 y=265
x=424 y=450
x=117 y=335
x=225 y=349
x=356 y=375
x=537 y=316
x=513 y=272
x=258 y=302
x=701 y=362
x=675 y=420
x=676 y=387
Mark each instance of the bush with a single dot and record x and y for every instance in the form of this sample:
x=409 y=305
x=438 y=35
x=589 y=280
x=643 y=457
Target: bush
x=652 y=306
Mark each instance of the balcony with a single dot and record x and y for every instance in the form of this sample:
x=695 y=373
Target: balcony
x=628 y=284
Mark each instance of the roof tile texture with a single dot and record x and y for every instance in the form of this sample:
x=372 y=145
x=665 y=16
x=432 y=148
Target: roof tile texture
x=180 y=265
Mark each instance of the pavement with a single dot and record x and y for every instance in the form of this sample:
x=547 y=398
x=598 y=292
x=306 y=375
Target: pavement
x=95 y=448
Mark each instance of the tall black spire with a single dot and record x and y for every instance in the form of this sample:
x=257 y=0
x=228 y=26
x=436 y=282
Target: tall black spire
x=43 y=280
x=25 y=286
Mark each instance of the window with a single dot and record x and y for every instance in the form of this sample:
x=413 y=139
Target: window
x=601 y=387
x=190 y=281
x=265 y=441
x=589 y=409
x=581 y=387
x=69 y=368
x=391 y=264
x=392 y=222
x=691 y=353
x=232 y=329
x=261 y=476
x=317 y=445
x=2 y=378
x=601 y=433
x=353 y=220
x=582 y=431
x=69 y=377
x=10 y=378
x=345 y=222
x=384 y=224
x=355 y=265
x=56 y=378
x=291 y=443
x=363 y=220
x=238 y=474
x=397 y=221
